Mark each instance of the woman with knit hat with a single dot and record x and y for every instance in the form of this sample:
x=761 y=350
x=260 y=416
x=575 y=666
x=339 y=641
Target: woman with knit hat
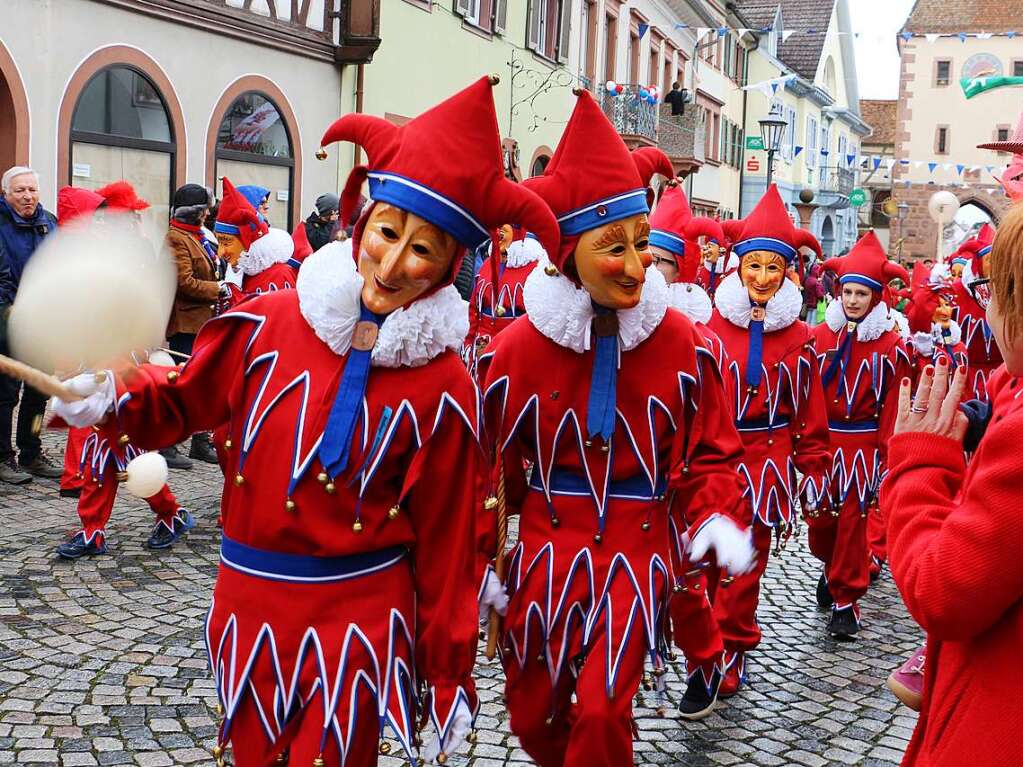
x=778 y=407
x=862 y=359
x=345 y=607
x=617 y=403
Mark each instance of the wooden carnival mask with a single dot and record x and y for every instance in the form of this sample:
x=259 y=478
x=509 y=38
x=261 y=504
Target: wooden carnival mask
x=710 y=251
x=229 y=248
x=505 y=237
x=611 y=261
x=401 y=257
x=943 y=312
x=957 y=271
x=763 y=273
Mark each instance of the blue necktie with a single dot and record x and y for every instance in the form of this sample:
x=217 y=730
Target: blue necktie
x=946 y=337
x=336 y=446
x=600 y=410
x=754 y=371
x=842 y=357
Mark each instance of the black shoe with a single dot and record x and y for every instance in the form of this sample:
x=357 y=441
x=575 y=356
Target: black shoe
x=698 y=701
x=12 y=474
x=844 y=623
x=164 y=537
x=78 y=547
x=824 y=598
x=174 y=459
x=41 y=466
x=202 y=449
x=73 y=492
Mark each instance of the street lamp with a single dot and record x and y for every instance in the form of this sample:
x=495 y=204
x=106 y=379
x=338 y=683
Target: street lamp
x=771 y=129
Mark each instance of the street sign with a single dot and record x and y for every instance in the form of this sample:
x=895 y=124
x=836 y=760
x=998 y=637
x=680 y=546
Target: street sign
x=857 y=197
x=755 y=142
x=753 y=165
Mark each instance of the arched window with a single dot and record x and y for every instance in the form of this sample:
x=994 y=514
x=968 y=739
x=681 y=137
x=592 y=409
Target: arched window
x=539 y=165
x=120 y=129
x=254 y=147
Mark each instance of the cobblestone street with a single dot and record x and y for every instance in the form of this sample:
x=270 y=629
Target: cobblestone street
x=102 y=660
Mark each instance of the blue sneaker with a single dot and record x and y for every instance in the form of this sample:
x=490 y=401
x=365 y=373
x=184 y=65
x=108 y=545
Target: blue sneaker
x=79 y=547
x=164 y=537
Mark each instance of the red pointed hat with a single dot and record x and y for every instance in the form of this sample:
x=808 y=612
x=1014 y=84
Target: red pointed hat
x=593 y=178
x=668 y=222
x=121 y=196
x=445 y=166
x=866 y=264
x=237 y=217
x=927 y=287
x=705 y=227
x=732 y=228
x=769 y=227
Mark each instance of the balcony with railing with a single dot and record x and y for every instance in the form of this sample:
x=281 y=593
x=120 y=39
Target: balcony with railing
x=836 y=184
x=633 y=118
x=681 y=137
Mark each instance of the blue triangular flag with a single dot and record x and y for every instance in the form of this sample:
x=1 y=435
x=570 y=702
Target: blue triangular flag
x=825 y=152
x=877 y=163
x=1010 y=35
x=722 y=31
x=959 y=169
x=990 y=168
x=962 y=37
x=796 y=150
x=931 y=166
x=642 y=30
x=774 y=88
x=849 y=158
x=903 y=162
x=907 y=36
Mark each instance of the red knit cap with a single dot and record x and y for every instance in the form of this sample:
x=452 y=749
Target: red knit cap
x=593 y=179
x=237 y=217
x=866 y=264
x=769 y=227
x=120 y=196
x=445 y=166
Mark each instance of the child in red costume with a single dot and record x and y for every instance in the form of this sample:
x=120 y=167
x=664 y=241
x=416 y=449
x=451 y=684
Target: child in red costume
x=777 y=404
x=862 y=360
x=956 y=543
x=345 y=604
x=616 y=402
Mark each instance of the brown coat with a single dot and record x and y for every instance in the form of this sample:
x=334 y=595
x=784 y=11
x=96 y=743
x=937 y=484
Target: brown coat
x=197 y=284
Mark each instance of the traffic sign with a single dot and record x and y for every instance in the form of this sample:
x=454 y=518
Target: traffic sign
x=857 y=197
x=755 y=142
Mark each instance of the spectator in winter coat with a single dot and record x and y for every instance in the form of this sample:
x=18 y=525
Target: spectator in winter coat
x=320 y=228
x=956 y=539
x=813 y=292
x=24 y=224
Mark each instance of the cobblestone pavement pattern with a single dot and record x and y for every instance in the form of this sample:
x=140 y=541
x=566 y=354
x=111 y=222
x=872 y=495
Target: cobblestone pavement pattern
x=102 y=661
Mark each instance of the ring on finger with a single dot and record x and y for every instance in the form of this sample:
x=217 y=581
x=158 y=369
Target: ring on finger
x=915 y=409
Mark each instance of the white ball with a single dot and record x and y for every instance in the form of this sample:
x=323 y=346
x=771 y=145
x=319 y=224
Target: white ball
x=160 y=357
x=147 y=474
x=943 y=207
x=90 y=296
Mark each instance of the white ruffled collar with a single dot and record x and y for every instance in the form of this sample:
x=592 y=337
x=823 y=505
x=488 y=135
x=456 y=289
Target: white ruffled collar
x=524 y=252
x=872 y=327
x=563 y=311
x=732 y=300
x=329 y=297
x=274 y=247
x=692 y=300
x=955 y=333
x=731 y=263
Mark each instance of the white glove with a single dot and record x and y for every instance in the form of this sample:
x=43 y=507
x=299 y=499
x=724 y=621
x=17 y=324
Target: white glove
x=460 y=726
x=99 y=399
x=732 y=546
x=493 y=594
x=224 y=289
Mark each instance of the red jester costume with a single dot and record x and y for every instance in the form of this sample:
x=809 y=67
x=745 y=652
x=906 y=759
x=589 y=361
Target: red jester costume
x=496 y=300
x=778 y=407
x=981 y=349
x=862 y=362
x=345 y=605
x=718 y=260
x=935 y=335
x=615 y=401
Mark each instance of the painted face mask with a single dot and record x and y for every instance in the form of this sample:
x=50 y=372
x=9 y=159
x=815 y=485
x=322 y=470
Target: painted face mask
x=943 y=314
x=611 y=261
x=401 y=257
x=229 y=248
x=710 y=251
x=762 y=272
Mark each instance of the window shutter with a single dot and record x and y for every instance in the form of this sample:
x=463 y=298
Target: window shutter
x=564 y=29
x=533 y=26
x=500 y=16
x=462 y=7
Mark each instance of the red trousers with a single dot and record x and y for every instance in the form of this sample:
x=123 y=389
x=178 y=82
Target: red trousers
x=735 y=602
x=877 y=534
x=594 y=731
x=841 y=544
x=97 y=501
x=695 y=631
x=72 y=478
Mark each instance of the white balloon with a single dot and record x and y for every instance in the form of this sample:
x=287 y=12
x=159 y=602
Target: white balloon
x=160 y=357
x=943 y=207
x=147 y=473
x=91 y=295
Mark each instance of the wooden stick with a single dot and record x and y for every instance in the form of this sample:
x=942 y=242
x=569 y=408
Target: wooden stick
x=173 y=353
x=494 y=628
x=49 y=385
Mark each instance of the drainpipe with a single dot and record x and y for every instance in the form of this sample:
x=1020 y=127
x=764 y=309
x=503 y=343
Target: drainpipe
x=359 y=82
x=745 y=97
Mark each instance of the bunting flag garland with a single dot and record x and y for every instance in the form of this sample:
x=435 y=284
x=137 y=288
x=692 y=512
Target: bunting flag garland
x=796 y=150
x=786 y=33
x=643 y=29
x=768 y=88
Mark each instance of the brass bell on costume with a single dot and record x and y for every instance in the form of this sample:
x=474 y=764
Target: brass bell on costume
x=289 y=505
x=491 y=503
x=239 y=480
x=500 y=311
x=442 y=758
x=172 y=376
x=550 y=270
x=393 y=512
x=357 y=527
x=385 y=747
x=330 y=487
x=322 y=478
x=124 y=439
x=228 y=444
x=321 y=154
x=318 y=762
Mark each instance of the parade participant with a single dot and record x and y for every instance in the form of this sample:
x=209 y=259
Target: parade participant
x=348 y=579
x=615 y=401
x=259 y=198
x=981 y=350
x=695 y=631
x=257 y=253
x=496 y=300
x=862 y=360
x=778 y=407
x=718 y=259
x=956 y=543
x=935 y=334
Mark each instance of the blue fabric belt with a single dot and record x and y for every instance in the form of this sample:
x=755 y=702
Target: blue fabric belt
x=278 y=566
x=563 y=482
x=761 y=424
x=853 y=426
